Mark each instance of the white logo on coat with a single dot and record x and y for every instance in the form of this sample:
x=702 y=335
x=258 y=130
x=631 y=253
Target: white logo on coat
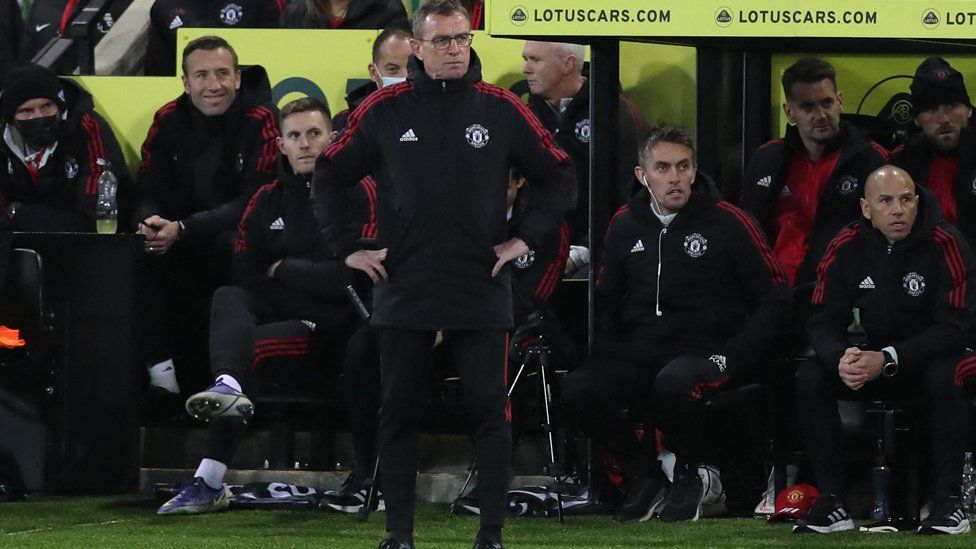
x=914 y=284
x=695 y=245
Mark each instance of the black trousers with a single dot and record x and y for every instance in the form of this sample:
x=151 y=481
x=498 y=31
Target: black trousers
x=405 y=359
x=664 y=392
x=818 y=388
x=361 y=387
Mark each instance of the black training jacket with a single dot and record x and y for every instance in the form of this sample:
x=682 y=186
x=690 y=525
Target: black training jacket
x=202 y=170
x=708 y=283
x=61 y=195
x=354 y=99
x=167 y=16
x=916 y=295
x=572 y=133
x=536 y=274
x=45 y=22
x=362 y=14
x=839 y=203
x=440 y=152
x=915 y=157
x=278 y=224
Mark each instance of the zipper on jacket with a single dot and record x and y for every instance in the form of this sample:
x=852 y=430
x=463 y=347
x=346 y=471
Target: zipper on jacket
x=444 y=86
x=657 y=297
x=889 y=249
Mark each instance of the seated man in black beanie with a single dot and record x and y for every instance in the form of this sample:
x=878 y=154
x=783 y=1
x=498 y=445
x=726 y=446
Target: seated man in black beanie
x=54 y=149
x=942 y=156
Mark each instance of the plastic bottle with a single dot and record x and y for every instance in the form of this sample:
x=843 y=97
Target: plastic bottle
x=969 y=486
x=107 y=209
x=881 y=485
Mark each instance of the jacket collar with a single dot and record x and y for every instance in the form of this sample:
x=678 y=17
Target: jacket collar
x=703 y=196
x=929 y=215
x=419 y=78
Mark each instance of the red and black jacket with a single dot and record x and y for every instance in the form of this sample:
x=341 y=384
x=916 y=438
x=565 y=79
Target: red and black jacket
x=278 y=224
x=202 y=170
x=916 y=294
x=61 y=194
x=705 y=284
x=572 y=133
x=440 y=152
x=915 y=157
x=536 y=274
x=362 y=14
x=765 y=182
x=49 y=19
x=167 y=16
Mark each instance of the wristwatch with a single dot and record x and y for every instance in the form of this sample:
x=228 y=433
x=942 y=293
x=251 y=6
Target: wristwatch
x=890 y=367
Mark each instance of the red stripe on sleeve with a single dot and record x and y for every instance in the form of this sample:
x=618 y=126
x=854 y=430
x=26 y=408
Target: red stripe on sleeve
x=842 y=238
x=544 y=135
x=164 y=111
x=241 y=244
x=957 y=268
x=356 y=118
x=269 y=131
x=775 y=269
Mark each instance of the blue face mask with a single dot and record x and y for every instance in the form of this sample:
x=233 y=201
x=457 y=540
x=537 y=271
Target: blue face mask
x=390 y=80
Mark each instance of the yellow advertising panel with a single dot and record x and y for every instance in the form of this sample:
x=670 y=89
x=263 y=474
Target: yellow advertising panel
x=739 y=18
x=875 y=85
x=660 y=79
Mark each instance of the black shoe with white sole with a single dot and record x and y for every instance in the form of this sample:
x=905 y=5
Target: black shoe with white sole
x=825 y=517
x=684 y=501
x=644 y=492
x=945 y=517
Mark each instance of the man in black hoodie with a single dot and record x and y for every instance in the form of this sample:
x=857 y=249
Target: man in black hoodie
x=911 y=276
x=440 y=146
x=689 y=296
x=391 y=50
x=54 y=148
x=942 y=156
x=206 y=154
x=284 y=270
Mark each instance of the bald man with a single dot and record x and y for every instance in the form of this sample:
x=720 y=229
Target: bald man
x=911 y=275
x=560 y=97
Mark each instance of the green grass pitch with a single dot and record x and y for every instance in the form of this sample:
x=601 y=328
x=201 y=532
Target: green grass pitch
x=130 y=522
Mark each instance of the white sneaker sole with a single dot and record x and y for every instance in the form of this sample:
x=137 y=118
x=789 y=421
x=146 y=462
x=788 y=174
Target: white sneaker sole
x=210 y=405
x=381 y=506
x=962 y=528
x=847 y=524
x=656 y=504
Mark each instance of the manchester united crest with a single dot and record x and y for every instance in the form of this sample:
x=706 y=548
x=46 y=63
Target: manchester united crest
x=695 y=245
x=231 y=14
x=524 y=261
x=477 y=136
x=914 y=284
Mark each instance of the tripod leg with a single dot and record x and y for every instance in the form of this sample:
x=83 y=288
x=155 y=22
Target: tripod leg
x=472 y=468
x=519 y=374
x=544 y=374
x=367 y=508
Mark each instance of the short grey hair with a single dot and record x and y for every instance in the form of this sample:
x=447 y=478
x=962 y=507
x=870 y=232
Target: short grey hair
x=435 y=7
x=565 y=49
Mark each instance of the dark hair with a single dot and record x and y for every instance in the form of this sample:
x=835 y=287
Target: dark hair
x=666 y=134
x=209 y=43
x=305 y=104
x=389 y=33
x=435 y=7
x=808 y=70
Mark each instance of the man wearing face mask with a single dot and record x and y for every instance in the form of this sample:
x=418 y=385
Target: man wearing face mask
x=390 y=53
x=942 y=156
x=688 y=299
x=54 y=148
x=804 y=188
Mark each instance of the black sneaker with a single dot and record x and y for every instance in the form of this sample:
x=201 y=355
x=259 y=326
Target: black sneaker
x=945 y=517
x=391 y=543
x=685 y=498
x=890 y=526
x=488 y=545
x=351 y=497
x=644 y=492
x=826 y=516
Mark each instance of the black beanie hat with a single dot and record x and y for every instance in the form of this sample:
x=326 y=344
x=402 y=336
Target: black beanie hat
x=937 y=83
x=28 y=82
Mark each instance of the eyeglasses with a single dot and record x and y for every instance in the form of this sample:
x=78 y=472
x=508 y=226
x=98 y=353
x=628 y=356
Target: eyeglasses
x=444 y=42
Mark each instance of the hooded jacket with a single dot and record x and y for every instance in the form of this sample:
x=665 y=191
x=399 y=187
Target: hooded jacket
x=278 y=224
x=354 y=99
x=362 y=14
x=915 y=294
x=915 y=157
x=705 y=284
x=440 y=152
x=572 y=133
x=838 y=205
x=60 y=189
x=202 y=170
x=167 y=16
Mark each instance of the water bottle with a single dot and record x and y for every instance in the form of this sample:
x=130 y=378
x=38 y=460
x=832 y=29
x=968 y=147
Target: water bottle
x=969 y=487
x=107 y=208
x=881 y=486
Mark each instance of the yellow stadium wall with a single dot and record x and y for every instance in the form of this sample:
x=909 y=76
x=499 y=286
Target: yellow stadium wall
x=660 y=79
